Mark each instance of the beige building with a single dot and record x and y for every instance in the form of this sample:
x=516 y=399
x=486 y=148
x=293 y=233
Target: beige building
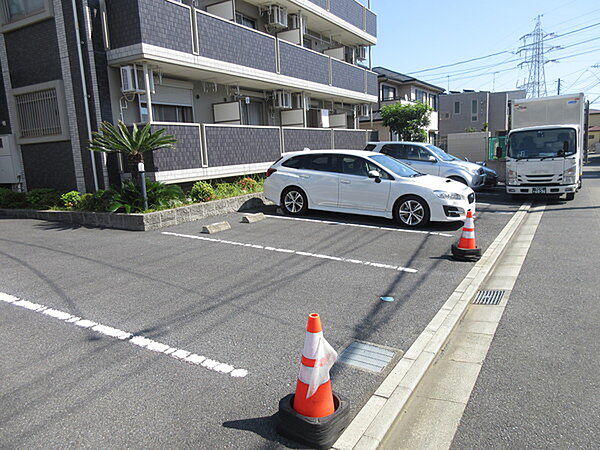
x=395 y=87
x=594 y=130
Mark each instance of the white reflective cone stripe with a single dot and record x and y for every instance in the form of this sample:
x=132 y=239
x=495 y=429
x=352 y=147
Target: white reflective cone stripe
x=468 y=234
x=469 y=223
x=311 y=342
x=324 y=357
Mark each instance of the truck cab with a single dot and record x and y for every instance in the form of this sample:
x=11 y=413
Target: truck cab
x=546 y=157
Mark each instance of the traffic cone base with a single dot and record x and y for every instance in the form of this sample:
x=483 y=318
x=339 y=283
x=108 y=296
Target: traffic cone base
x=318 y=405
x=467 y=249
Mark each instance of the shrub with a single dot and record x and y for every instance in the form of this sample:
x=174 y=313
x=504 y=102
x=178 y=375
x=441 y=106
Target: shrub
x=248 y=184
x=202 y=192
x=100 y=201
x=12 y=199
x=71 y=199
x=43 y=198
x=226 y=190
x=160 y=196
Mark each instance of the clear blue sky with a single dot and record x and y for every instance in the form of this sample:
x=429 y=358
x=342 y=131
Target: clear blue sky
x=416 y=35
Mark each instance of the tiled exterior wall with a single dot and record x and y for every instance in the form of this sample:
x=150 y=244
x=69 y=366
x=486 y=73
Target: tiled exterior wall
x=347 y=76
x=32 y=53
x=186 y=153
x=123 y=23
x=224 y=41
x=349 y=10
x=241 y=145
x=166 y=24
x=371 y=22
x=321 y=3
x=372 y=83
x=49 y=165
x=349 y=139
x=4 y=115
x=304 y=64
x=296 y=139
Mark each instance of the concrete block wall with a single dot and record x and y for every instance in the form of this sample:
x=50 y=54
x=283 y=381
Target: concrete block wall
x=296 y=139
x=225 y=41
x=349 y=139
x=473 y=146
x=241 y=145
x=185 y=155
x=301 y=63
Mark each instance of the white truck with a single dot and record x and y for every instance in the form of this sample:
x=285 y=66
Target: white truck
x=545 y=147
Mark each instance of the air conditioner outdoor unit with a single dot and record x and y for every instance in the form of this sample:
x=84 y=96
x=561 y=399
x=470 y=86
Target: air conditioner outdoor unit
x=349 y=55
x=361 y=52
x=294 y=22
x=277 y=16
x=307 y=102
x=297 y=101
x=282 y=100
x=129 y=81
x=364 y=110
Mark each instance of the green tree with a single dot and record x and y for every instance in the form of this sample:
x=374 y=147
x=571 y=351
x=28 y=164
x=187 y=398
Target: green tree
x=131 y=143
x=408 y=121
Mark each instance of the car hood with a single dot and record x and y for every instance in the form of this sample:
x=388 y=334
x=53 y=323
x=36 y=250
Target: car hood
x=471 y=167
x=441 y=184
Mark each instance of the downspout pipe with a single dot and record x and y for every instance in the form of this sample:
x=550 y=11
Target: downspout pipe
x=85 y=91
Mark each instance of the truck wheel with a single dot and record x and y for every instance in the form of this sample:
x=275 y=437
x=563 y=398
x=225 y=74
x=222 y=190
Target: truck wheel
x=570 y=196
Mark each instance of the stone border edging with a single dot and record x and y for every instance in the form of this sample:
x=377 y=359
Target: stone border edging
x=143 y=222
x=370 y=426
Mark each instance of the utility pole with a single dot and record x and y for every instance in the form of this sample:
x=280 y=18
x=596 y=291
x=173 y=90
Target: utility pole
x=534 y=59
x=558 y=89
x=448 y=78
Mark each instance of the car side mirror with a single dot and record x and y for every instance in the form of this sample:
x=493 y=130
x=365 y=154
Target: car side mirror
x=431 y=159
x=375 y=175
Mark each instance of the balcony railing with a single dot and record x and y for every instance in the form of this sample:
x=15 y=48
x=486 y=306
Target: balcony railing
x=352 y=12
x=170 y=25
x=205 y=149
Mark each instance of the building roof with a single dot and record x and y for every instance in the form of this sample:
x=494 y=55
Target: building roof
x=402 y=78
x=594 y=128
x=594 y=111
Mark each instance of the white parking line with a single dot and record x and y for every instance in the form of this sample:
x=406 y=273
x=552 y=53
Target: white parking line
x=140 y=341
x=358 y=225
x=285 y=250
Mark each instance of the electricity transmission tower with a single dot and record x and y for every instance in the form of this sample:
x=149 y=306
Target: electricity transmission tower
x=533 y=51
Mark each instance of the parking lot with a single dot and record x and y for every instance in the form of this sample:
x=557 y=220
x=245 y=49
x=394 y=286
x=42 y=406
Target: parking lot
x=239 y=298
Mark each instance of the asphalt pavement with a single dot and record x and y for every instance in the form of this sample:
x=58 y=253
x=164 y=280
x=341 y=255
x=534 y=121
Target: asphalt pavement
x=234 y=298
x=539 y=385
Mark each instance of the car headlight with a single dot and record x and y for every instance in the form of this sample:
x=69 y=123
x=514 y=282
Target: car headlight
x=569 y=175
x=481 y=171
x=448 y=195
x=511 y=176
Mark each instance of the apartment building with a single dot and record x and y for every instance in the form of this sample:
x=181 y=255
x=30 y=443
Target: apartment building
x=594 y=130
x=461 y=112
x=237 y=82
x=395 y=87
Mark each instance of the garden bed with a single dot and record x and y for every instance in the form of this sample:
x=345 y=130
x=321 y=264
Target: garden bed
x=143 y=221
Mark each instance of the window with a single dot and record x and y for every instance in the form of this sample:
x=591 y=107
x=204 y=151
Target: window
x=474 y=110
x=417 y=153
x=353 y=165
x=433 y=101
x=388 y=93
x=548 y=143
x=245 y=20
x=41 y=113
x=590 y=137
x=167 y=113
x=456 y=107
x=370 y=147
x=421 y=96
x=320 y=162
x=397 y=151
x=394 y=166
x=18 y=13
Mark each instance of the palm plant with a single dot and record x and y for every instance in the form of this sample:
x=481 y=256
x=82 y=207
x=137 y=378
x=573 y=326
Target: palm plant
x=130 y=143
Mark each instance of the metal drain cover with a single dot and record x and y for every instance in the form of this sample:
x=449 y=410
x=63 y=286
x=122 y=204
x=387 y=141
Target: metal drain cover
x=489 y=297
x=366 y=356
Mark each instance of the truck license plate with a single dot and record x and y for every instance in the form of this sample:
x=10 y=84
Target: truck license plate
x=539 y=190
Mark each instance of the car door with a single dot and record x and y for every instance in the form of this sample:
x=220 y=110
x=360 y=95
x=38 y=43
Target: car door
x=319 y=178
x=357 y=190
x=419 y=158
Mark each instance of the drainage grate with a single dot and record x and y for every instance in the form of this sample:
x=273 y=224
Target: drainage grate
x=366 y=356
x=489 y=297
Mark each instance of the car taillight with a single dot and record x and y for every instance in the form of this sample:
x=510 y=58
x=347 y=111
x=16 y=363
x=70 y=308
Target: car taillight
x=270 y=171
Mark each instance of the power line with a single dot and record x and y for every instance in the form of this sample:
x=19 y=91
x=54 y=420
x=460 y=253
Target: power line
x=460 y=62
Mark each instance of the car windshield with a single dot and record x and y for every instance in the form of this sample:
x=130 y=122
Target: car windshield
x=550 y=143
x=441 y=153
x=395 y=166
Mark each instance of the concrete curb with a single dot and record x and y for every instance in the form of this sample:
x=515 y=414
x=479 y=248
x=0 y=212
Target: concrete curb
x=252 y=218
x=143 y=222
x=370 y=426
x=216 y=227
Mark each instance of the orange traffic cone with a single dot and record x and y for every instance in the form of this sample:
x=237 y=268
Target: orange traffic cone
x=314 y=415
x=314 y=396
x=467 y=246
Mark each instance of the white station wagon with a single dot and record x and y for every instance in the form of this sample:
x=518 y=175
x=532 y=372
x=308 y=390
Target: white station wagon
x=362 y=182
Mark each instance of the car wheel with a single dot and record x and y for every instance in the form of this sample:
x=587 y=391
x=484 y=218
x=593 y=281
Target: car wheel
x=294 y=201
x=411 y=211
x=460 y=180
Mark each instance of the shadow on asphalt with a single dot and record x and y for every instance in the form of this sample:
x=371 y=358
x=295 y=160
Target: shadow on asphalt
x=265 y=428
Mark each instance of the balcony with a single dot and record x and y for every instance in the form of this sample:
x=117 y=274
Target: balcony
x=206 y=151
x=166 y=32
